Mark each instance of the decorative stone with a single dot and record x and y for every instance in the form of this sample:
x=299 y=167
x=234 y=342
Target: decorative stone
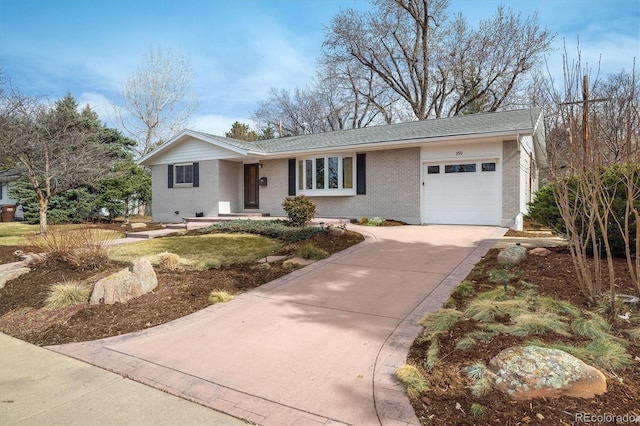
x=512 y=256
x=138 y=225
x=336 y=232
x=11 y=274
x=527 y=372
x=540 y=251
x=136 y=280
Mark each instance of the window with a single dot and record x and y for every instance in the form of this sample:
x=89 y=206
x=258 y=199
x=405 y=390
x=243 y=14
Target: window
x=433 y=170
x=460 y=168
x=330 y=175
x=488 y=167
x=184 y=174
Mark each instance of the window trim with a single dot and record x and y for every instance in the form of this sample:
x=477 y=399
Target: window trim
x=302 y=181
x=175 y=176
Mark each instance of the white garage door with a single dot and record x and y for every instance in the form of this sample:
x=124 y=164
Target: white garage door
x=465 y=192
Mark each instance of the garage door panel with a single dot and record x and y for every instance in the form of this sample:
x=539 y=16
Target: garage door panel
x=462 y=198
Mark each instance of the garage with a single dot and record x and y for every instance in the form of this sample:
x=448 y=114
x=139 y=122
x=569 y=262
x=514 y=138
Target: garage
x=462 y=192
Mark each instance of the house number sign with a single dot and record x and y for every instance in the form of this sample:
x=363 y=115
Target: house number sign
x=458 y=153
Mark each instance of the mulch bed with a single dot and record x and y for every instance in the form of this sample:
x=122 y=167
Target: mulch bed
x=179 y=293
x=449 y=385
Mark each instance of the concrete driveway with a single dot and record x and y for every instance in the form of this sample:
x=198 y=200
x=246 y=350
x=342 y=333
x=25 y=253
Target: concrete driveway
x=318 y=346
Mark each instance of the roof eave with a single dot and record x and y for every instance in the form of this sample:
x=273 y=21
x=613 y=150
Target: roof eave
x=403 y=142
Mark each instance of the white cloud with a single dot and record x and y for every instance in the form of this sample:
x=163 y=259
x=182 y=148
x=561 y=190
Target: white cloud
x=100 y=104
x=216 y=124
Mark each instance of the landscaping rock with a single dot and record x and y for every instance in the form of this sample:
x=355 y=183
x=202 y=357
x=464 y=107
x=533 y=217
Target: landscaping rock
x=336 y=232
x=527 y=372
x=540 y=251
x=512 y=256
x=138 y=225
x=11 y=274
x=136 y=280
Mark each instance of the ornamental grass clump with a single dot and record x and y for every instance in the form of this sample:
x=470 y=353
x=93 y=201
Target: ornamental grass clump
x=220 y=296
x=412 y=380
x=309 y=251
x=68 y=293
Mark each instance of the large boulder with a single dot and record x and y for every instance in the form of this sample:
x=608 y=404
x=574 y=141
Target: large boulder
x=132 y=282
x=11 y=274
x=512 y=256
x=527 y=372
x=540 y=252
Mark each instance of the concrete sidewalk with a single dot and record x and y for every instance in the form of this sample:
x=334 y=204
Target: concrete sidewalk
x=39 y=387
x=318 y=346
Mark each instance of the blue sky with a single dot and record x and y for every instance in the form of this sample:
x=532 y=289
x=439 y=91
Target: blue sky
x=239 y=49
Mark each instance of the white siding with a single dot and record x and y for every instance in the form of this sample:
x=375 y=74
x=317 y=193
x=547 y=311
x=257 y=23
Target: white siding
x=193 y=150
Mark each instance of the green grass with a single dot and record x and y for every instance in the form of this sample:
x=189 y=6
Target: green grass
x=605 y=353
x=477 y=410
x=464 y=289
x=208 y=250
x=15 y=233
x=309 y=251
x=442 y=320
x=528 y=324
x=592 y=326
x=489 y=310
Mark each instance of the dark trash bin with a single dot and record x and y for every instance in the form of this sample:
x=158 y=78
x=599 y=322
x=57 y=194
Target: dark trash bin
x=8 y=212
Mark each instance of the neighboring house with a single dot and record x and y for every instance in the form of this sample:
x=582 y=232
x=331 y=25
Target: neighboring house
x=6 y=177
x=476 y=169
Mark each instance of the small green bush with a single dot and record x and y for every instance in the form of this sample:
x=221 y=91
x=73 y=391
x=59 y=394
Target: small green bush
x=477 y=410
x=300 y=210
x=278 y=229
x=376 y=221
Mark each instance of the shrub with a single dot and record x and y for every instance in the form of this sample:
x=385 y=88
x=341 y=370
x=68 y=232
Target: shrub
x=220 y=296
x=300 y=210
x=65 y=294
x=545 y=210
x=363 y=220
x=278 y=229
x=412 y=380
x=376 y=221
x=82 y=248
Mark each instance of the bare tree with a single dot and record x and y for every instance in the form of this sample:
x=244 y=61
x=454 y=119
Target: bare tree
x=595 y=166
x=55 y=148
x=439 y=67
x=157 y=98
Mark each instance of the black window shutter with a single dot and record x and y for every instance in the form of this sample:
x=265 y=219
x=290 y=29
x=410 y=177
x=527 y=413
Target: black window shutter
x=196 y=174
x=361 y=174
x=292 y=176
x=170 y=174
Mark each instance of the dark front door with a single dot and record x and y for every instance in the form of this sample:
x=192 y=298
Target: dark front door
x=251 y=177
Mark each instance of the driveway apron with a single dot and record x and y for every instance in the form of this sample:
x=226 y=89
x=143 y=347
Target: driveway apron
x=318 y=346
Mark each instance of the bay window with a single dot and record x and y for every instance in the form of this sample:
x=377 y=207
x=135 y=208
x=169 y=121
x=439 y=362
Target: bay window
x=326 y=175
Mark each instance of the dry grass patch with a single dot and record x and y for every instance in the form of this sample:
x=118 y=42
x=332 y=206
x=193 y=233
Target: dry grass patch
x=201 y=251
x=220 y=296
x=412 y=380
